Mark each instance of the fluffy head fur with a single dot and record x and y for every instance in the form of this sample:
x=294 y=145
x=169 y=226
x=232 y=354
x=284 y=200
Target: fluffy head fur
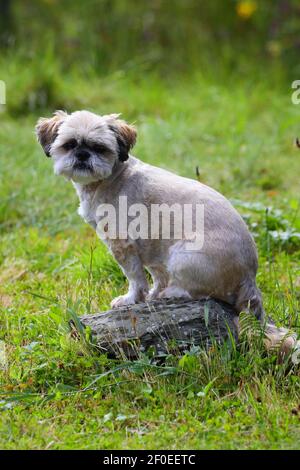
x=85 y=146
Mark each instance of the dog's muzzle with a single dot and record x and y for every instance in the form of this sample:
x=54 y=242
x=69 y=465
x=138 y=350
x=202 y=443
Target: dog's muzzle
x=82 y=157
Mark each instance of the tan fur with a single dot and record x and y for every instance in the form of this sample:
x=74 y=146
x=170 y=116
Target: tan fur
x=127 y=132
x=47 y=129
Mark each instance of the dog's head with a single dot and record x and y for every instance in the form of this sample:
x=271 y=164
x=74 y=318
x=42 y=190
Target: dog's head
x=85 y=146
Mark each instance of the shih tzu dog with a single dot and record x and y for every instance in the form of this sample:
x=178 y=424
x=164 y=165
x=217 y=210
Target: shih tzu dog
x=93 y=152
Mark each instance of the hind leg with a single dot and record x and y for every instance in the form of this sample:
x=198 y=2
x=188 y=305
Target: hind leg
x=175 y=292
x=192 y=276
x=196 y=274
x=183 y=274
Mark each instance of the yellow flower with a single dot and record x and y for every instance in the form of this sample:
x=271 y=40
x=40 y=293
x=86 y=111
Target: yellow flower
x=246 y=8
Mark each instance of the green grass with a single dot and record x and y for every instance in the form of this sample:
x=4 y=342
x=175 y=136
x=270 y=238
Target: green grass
x=240 y=134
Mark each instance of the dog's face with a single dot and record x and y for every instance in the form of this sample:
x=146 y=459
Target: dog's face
x=84 y=146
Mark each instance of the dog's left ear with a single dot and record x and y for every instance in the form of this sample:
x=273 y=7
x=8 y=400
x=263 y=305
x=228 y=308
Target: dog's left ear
x=125 y=133
x=47 y=130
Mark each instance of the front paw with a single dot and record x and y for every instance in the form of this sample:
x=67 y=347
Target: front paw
x=153 y=294
x=123 y=300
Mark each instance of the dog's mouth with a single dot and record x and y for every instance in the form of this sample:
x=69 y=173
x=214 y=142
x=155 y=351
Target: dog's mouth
x=82 y=166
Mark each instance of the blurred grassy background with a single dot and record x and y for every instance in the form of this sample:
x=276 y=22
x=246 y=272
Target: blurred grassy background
x=45 y=44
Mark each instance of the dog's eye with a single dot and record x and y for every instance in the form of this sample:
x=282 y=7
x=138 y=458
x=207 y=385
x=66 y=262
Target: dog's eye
x=99 y=148
x=71 y=144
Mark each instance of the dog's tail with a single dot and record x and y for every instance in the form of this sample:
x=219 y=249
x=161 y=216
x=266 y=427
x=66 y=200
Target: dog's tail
x=249 y=299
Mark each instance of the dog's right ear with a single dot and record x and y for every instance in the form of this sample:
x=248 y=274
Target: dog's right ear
x=47 y=130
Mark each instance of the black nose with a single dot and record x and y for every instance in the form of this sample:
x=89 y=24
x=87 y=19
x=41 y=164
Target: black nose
x=82 y=155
